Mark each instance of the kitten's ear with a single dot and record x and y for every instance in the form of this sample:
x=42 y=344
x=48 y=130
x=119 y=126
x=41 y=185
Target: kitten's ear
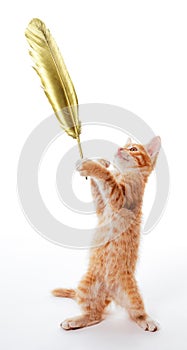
x=129 y=141
x=153 y=148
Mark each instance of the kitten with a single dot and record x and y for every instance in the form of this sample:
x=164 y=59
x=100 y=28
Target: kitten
x=118 y=197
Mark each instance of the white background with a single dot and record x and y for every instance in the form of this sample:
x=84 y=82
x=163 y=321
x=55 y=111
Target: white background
x=127 y=53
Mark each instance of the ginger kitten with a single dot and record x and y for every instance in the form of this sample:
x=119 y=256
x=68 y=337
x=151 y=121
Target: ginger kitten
x=118 y=197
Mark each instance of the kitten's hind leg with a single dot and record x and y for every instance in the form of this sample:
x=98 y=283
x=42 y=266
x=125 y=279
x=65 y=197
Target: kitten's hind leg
x=128 y=296
x=92 y=298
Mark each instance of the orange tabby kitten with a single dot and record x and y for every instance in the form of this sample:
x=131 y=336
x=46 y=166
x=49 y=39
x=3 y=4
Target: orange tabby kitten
x=118 y=197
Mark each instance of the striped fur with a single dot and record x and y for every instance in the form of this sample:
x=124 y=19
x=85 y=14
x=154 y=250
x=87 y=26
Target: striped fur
x=64 y=293
x=118 y=197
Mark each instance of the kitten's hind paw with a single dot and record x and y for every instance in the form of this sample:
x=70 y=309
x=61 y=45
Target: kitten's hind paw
x=148 y=324
x=79 y=322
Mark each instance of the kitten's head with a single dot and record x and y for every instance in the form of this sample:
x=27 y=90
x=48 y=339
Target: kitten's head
x=137 y=157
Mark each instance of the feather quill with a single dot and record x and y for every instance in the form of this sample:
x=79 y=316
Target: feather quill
x=55 y=79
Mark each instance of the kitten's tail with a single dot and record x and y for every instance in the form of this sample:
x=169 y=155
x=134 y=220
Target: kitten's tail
x=64 y=293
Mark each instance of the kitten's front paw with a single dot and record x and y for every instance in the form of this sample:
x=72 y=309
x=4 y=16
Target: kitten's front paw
x=85 y=166
x=104 y=162
x=79 y=163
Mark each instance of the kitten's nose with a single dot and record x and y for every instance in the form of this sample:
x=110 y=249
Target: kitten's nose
x=120 y=149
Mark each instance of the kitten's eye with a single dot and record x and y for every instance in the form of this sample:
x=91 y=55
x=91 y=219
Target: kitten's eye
x=133 y=149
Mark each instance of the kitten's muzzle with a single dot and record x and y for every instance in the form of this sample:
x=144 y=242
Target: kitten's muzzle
x=121 y=153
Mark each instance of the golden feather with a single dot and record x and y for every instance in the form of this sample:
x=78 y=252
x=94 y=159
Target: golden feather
x=55 y=78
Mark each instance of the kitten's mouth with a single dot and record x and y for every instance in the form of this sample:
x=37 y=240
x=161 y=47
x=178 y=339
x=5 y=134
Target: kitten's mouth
x=122 y=156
